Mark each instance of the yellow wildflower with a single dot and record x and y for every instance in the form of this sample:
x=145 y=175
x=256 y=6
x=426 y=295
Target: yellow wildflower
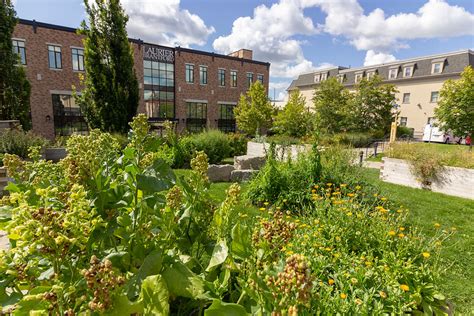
x=401 y=228
x=405 y=287
x=262 y=209
x=343 y=296
x=358 y=301
x=331 y=281
x=358 y=187
x=401 y=235
x=426 y=254
x=383 y=294
x=437 y=225
x=266 y=203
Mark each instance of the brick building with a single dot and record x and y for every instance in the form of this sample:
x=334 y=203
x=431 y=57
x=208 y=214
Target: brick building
x=193 y=88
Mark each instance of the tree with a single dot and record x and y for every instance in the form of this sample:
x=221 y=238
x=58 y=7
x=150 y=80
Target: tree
x=14 y=87
x=330 y=104
x=372 y=106
x=254 y=110
x=455 y=109
x=110 y=97
x=294 y=120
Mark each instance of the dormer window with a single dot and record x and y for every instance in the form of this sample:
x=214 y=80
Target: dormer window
x=358 y=77
x=437 y=65
x=317 y=78
x=408 y=70
x=341 y=78
x=324 y=76
x=393 y=73
x=371 y=73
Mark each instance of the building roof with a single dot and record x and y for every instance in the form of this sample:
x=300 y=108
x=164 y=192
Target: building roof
x=35 y=24
x=453 y=64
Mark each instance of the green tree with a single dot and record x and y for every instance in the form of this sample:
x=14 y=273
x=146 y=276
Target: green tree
x=330 y=104
x=455 y=109
x=14 y=87
x=371 y=109
x=110 y=98
x=254 y=111
x=295 y=119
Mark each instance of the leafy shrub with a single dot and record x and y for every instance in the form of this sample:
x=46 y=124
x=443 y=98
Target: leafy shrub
x=213 y=142
x=404 y=132
x=18 y=142
x=238 y=144
x=357 y=140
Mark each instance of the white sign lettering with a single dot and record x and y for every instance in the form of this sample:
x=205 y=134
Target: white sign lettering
x=158 y=54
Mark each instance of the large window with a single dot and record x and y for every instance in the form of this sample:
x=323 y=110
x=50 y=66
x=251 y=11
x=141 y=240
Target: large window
x=406 y=98
x=221 y=77
x=54 y=57
x=68 y=118
x=196 y=116
x=189 y=73
x=437 y=68
x=226 y=122
x=407 y=71
x=434 y=96
x=233 y=78
x=159 y=90
x=260 y=78
x=19 y=48
x=403 y=121
x=78 y=59
x=249 y=79
x=393 y=73
x=202 y=74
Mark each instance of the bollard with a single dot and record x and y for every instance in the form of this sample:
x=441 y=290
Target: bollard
x=361 y=158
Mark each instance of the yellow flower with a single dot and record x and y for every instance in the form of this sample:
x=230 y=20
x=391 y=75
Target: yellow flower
x=437 y=225
x=392 y=233
x=338 y=238
x=383 y=294
x=266 y=203
x=358 y=187
x=349 y=214
x=358 y=301
x=262 y=209
x=316 y=186
x=384 y=199
x=405 y=287
x=343 y=296
x=329 y=184
x=401 y=235
x=402 y=228
x=331 y=281
x=350 y=194
x=426 y=254
x=354 y=281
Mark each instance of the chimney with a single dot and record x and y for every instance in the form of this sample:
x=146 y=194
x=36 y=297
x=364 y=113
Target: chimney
x=243 y=53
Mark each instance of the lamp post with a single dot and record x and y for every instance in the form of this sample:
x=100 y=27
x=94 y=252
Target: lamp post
x=393 y=129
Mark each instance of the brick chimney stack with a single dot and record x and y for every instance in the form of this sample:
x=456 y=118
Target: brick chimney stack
x=243 y=53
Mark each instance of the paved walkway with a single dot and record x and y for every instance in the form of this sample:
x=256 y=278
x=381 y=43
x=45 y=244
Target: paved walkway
x=372 y=164
x=4 y=242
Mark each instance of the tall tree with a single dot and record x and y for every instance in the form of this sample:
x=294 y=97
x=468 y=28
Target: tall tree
x=330 y=104
x=295 y=119
x=372 y=106
x=110 y=98
x=254 y=111
x=14 y=87
x=455 y=109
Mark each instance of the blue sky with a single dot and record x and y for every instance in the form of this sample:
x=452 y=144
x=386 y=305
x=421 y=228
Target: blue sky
x=296 y=36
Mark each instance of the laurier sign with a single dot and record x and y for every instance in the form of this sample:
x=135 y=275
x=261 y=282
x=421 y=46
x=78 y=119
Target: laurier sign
x=156 y=53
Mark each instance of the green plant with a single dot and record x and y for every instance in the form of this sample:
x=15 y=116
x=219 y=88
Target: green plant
x=213 y=142
x=238 y=144
x=404 y=132
x=18 y=142
x=294 y=119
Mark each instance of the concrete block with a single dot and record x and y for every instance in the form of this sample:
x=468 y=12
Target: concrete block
x=242 y=175
x=247 y=162
x=219 y=173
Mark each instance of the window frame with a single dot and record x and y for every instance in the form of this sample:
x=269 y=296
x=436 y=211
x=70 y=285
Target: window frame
x=203 y=74
x=403 y=121
x=405 y=71
x=391 y=71
x=78 y=57
x=433 y=68
x=20 y=50
x=408 y=94
x=260 y=78
x=317 y=78
x=233 y=78
x=324 y=76
x=221 y=77
x=189 y=73
x=437 y=96
x=358 y=77
x=57 y=56
x=250 y=80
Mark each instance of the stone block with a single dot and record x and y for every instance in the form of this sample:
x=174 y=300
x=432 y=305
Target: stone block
x=242 y=175
x=219 y=173
x=247 y=162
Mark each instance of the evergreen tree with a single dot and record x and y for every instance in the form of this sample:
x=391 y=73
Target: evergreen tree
x=110 y=98
x=254 y=110
x=295 y=119
x=14 y=87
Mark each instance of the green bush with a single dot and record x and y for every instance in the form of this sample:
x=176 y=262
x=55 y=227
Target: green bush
x=18 y=141
x=238 y=144
x=213 y=142
x=404 y=132
x=357 y=140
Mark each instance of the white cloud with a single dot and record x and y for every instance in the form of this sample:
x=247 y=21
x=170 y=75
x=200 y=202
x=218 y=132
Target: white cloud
x=373 y=58
x=165 y=22
x=269 y=33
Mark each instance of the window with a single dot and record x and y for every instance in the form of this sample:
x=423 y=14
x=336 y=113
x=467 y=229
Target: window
x=19 y=48
x=202 y=74
x=233 y=78
x=221 y=77
x=226 y=122
x=189 y=73
x=341 y=78
x=54 y=57
x=68 y=118
x=324 y=76
x=249 y=79
x=371 y=74
x=393 y=73
x=317 y=77
x=406 y=98
x=260 y=78
x=159 y=90
x=403 y=121
x=196 y=116
x=78 y=59
x=437 y=68
x=407 y=72
x=358 y=77
x=434 y=96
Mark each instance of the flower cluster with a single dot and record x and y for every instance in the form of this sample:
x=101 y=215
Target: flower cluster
x=200 y=164
x=275 y=231
x=174 y=197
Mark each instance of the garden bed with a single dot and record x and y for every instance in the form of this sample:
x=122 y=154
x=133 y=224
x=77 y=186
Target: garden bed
x=450 y=180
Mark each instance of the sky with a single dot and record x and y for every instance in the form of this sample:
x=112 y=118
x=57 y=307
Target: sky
x=295 y=36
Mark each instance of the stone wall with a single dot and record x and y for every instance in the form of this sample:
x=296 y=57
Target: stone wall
x=452 y=180
x=261 y=149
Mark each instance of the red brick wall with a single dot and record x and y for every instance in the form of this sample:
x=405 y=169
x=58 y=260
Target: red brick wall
x=211 y=92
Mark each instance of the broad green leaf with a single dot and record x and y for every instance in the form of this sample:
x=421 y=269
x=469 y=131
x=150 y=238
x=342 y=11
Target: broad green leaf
x=241 y=247
x=182 y=281
x=5 y=213
x=158 y=177
x=12 y=187
x=219 y=308
x=122 y=306
x=155 y=296
x=219 y=254
x=150 y=266
x=46 y=274
x=33 y=303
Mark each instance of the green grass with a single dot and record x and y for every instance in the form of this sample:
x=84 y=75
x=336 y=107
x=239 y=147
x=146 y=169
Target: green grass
x=457 y=257
x=377 y=158
x=444 y=148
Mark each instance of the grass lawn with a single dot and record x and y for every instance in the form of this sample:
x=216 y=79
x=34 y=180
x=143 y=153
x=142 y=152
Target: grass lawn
x=427 y=208
x=444 y=148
